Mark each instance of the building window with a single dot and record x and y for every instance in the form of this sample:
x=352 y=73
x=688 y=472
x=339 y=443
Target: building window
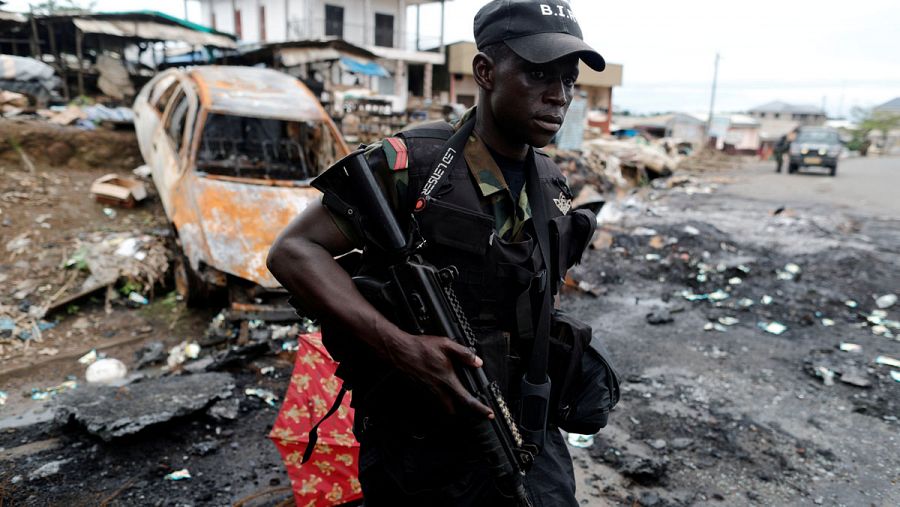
x=334 y=21
x=384 y=30
x=262 y=23
x=237 y=23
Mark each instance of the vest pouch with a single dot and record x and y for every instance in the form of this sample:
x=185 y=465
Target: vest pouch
x=588 y=385
x=569 y=238
x=456 y=227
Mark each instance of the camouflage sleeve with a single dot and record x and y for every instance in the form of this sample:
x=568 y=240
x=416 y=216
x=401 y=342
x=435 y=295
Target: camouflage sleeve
x=388 y=160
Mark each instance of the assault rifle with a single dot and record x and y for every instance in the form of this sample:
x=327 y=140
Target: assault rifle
x=425 y=303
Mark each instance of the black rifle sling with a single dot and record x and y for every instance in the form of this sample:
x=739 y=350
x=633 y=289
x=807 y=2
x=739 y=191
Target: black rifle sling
x=535 y=383
x=537 y=367
x=448 y=157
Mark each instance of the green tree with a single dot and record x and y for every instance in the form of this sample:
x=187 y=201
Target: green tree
x=869 y=121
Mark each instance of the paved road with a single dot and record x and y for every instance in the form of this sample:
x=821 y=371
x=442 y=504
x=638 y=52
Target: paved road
x=866 y=185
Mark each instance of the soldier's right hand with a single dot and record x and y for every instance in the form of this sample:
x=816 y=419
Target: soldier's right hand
x=431 y=360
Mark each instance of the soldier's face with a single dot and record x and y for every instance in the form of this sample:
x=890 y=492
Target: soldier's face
x=530 y=100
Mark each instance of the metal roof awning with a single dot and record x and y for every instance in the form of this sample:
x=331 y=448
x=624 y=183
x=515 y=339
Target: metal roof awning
x=151 y=30
x=367 y=68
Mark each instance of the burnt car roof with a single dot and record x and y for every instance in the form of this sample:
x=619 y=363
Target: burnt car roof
x=255 y=92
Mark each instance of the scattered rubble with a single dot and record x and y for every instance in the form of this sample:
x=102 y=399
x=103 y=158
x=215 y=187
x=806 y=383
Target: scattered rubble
x=102 y=411
x=118 y=190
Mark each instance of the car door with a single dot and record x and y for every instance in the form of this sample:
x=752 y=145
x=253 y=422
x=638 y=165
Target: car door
x=171 y=143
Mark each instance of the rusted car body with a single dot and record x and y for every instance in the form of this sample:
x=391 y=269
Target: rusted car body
x=231 y=151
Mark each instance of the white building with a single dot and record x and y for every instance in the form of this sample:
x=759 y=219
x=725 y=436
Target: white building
x=379 y=26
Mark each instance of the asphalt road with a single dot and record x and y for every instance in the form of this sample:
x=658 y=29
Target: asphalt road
x=863 y=185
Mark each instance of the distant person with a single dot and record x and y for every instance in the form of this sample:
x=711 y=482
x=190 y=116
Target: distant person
x=781 y=148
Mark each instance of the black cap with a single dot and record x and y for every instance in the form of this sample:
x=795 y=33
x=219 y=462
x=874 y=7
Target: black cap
x=539 y=31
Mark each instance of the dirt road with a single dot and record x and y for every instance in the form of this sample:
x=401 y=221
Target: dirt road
x=867 y=185
x=736 y=415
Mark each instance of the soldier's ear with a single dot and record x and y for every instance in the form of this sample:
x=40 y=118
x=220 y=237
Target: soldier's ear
x=483 y=71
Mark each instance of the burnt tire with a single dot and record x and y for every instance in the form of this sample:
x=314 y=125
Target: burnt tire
x=192 y=289
x=833 y=170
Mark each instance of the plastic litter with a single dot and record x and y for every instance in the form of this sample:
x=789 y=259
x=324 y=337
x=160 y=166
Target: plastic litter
x=851 y=303
x=3 y=397
x=745 y=302
x=825 y=374
x=719 y=295
x=48 y=392
x=850 y=347
x=895 y=375
x=728 y=321
x=105 y=371
x=735 y=281
x=109 y=212
x=652 y=257
x=715 y=326
x=181 y=353
x=886 y=301
x=644 y=231
x=888 y=361
x=881 y=330
x=773 y=327
x=580 y=441
x=88 y=358
x=827 y=322
x=137 y=298
x=178 y=475
x=693 y=231
x=766 y=300
x=789 y=272
x=263 y=394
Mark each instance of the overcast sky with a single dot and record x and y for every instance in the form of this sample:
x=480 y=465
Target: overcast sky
x=840 y=54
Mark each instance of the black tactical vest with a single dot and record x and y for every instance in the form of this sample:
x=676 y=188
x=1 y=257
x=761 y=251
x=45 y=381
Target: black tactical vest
x=500 y=283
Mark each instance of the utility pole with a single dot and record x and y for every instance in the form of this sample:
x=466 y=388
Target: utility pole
x=712 y=99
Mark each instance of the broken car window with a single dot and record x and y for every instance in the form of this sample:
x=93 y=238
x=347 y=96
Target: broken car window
x=162 y=92
x=175 y=123
x=265 y=148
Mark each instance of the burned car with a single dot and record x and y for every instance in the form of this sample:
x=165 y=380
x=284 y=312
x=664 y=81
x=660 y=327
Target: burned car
x=232 y=151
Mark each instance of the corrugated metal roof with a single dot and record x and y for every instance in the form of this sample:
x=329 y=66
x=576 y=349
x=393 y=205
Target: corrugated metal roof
x=151 y=30
x=255 y=92
x=891 y=106
x=783 y=107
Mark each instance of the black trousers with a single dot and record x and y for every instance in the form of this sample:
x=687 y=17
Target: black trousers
x=437 y=475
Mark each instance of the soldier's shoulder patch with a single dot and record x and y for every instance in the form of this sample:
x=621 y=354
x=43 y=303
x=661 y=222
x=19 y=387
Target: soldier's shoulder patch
x=396 y=153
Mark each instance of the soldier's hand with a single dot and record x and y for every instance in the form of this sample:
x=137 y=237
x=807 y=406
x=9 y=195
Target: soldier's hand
x=431 y=360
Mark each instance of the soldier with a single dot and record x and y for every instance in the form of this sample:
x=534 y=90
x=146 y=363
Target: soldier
x=478 y=218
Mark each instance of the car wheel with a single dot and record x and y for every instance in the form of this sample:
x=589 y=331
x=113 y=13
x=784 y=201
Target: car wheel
x=192 y=289
x=792 y=168
x=833 y=171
